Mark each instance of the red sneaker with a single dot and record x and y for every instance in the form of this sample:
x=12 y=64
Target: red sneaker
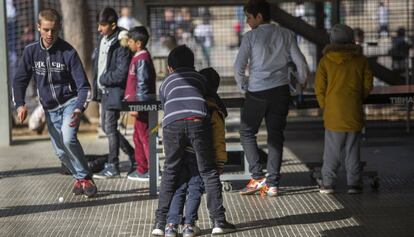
x=77 y=188
x=253 y=186
x=89 y=187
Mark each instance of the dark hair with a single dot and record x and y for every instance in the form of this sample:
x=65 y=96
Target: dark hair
x=255 y=7
x=139 y=33
x=401 y=31
x=181 y=56
x=107 y=15
x=50 y=14
x=213 y=78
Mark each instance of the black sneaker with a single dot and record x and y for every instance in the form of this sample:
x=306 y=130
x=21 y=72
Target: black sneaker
x=110 y=171
x=171 y=230
x=158 y=229
x=357 y=189
x=191 y=230
x=222 y=227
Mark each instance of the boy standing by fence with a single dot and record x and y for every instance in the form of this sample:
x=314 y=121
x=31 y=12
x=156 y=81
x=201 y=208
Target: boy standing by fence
x=343 y=81
x=63 y=90
x=140 y=83
x=267 y=49
x=110 y=74
x=186 y=122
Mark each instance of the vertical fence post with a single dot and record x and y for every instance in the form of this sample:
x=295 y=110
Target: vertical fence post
x=35 y=15
x=5 y=118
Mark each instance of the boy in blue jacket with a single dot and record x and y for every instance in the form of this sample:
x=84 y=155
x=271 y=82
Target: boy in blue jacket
x=63 y=90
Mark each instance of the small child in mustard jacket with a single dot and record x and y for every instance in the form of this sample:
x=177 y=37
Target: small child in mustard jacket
x=343 y=81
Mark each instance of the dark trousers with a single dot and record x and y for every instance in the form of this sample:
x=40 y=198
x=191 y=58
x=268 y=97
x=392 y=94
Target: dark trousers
x=273 y=106
x=189 y=192
x=109 y=124
x=176 y=137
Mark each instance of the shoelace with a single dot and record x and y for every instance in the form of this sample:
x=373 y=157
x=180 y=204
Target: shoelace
x=252 y=183
x=78 y=184
x=86 y=183
x=263 y=190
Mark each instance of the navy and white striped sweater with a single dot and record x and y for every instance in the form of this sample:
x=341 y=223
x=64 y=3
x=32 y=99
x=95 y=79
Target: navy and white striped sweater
x=182 y=95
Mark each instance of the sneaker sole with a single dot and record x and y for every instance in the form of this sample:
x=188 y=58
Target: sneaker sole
x=272 y=194
x=138 y=179
x=171 y=235
x=157 y=232
x=106 y=177
x=77 y=193
x=327 y=191
x=189 y=235
x=90 y=195
x=220 y=231
x=249 y=192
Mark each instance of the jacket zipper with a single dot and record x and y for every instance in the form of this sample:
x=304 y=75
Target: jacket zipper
x=49 y=74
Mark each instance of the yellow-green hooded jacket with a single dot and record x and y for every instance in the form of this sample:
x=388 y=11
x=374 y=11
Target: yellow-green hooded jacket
x=343 y=81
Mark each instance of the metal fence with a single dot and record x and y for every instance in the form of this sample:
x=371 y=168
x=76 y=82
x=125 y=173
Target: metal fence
x=214 y=32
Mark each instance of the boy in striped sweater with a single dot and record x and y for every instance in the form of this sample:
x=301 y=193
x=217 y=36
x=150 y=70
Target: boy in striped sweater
x=186 y=123
x=190 y=186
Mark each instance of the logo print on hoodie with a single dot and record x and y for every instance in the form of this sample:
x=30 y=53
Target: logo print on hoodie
x=40 y=67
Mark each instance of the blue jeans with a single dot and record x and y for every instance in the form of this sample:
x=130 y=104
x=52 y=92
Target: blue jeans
x=176 y=137
x=65 y=141
x=190 y=187
x=273 y=106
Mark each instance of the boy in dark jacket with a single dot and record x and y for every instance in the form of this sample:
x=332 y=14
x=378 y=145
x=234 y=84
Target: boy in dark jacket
x=110 y=75
x=140 y=83
x=63 y=88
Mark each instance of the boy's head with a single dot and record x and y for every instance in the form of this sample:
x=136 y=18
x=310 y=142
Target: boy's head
x=257 y=12
x=181 y=56
x=358 y=35
x=401 y=32
x=138 y=38
x=49 y=25
x=213 y=78
x=342 y=34
x=107 y=21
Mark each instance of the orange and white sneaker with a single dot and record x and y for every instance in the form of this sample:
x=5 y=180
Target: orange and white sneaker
x=253 y=186
x=269 y=191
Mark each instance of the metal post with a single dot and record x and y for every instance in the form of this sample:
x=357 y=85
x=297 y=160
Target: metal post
x=5 y=118
x=35 y=15
x=139 y=11
x=409 y=105
x=320 y=24
x=336 y=13
x=153 y=157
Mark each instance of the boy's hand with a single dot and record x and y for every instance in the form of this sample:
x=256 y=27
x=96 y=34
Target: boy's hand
x=134 y=114
x=220 y=170
x=75 y=118
x=22 y=113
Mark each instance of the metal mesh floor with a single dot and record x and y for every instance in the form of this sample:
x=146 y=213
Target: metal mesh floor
x=30 y=188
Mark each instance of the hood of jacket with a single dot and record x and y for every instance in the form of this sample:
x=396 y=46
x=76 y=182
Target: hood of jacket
x=340 y=53
x=121 y=36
